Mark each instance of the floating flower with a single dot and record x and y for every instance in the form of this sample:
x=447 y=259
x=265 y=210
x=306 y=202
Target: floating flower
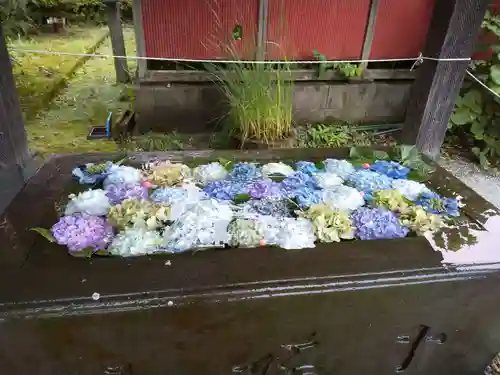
x=244 y=172
x=265 y=189
x=297 y=181
x=123 y=175
x=341 y=168
x=391 y=199
x=118 y=193
x=91 y=174
x=168 y=195
x=139 y=214
x=329 y=225
x=307 y=197
x=180 y=199
x=327 y=180
x=306 y=167
x=368 y=181
x=225 y=189
x=420 y=221
x=377 y=224
x=390 y=168
x=166 y=173
x=81 y=231
x=410 y=189
x=277 y=208
x=135 y=242
x=91 y=202
x=342 y=198
x=434 y=203
x=277 y=169
x=244 y=233
x=204 y=225
x=296 y=234
x=209 y=172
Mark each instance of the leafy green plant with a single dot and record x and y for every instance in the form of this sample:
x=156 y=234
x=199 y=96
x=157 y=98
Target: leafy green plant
x=348 y=70
x=476 y=111
x=335 y=135
x=259 y=97
x=154 y=142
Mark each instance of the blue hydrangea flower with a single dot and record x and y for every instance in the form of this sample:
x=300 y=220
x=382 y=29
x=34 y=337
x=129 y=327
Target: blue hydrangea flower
x=341 y=168
x=307 y=197
x=390 y=168
x=377 y=224
x=265 y=189
x=91 y=174
x=168 y=195
x=369 y=181
x=297 y=181
x=225 y=189
x=276 y=208
x=435 y=204
x=306 y=167
x=244 y=172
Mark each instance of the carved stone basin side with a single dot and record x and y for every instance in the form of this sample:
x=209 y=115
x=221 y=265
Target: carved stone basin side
x=356 y=307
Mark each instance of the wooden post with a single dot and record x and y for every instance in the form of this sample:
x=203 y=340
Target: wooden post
x=14 y=153
x=117 y=40
x=453 y=31
x=262 y=29
x=369 y=32
x=139 y=38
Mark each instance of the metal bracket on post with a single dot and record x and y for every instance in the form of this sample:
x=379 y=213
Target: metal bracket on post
x=117 y=40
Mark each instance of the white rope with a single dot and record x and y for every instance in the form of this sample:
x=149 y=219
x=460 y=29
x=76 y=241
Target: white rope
x=418 y=60
x=483 y=84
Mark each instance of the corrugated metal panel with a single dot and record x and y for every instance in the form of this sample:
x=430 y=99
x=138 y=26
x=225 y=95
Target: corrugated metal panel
x=197 y=28
x=334 y=27
x=401 y=28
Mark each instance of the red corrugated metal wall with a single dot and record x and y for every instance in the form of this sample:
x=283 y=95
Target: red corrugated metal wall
x=401 y=28
x=336 y=28
x=196 y=29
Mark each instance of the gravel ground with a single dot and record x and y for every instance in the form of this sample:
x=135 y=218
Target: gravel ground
x=480 y=181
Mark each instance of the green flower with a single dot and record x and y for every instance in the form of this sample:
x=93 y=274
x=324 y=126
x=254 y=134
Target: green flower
x=244 y=233
x=329 y=225
x=420 y=221
x=390 y=199
x=138 y=213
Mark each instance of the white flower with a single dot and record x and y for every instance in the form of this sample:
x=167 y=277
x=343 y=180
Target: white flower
x=342 y=198
x=122 y=174
x=296 y=234
x=136 y=241
x=327 y=180
x=92 y=202
x=273 y=169
x=410 y=189
x=193 y=194
x=341 y=168
x=204 y=224
x=209 y=172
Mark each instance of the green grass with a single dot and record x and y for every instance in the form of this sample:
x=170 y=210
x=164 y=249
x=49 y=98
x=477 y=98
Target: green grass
x=35 y=74
x=88 y=99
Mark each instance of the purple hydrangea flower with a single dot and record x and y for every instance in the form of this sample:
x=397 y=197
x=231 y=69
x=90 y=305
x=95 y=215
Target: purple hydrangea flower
x=265 y=189
x=390 y=168
x=225 y=189
x=298 y=181
x=276 y=208
x=306 y=167
x=244 y=172
x=435 y=204
x=82 y=231
x=369 y=181
x=377 y=224
x=118 y=193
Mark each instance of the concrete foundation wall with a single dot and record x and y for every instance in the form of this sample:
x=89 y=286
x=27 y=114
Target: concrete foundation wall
x=197 y=107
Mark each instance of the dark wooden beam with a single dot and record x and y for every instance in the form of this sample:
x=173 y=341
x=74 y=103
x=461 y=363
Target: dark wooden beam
x=453 y=31
x=369 y=32
x=14 y=153
x=117 y=40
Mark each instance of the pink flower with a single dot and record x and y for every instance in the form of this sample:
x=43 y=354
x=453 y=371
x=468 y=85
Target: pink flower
x=147 y=184
x=262 y=242
x=365 y=166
